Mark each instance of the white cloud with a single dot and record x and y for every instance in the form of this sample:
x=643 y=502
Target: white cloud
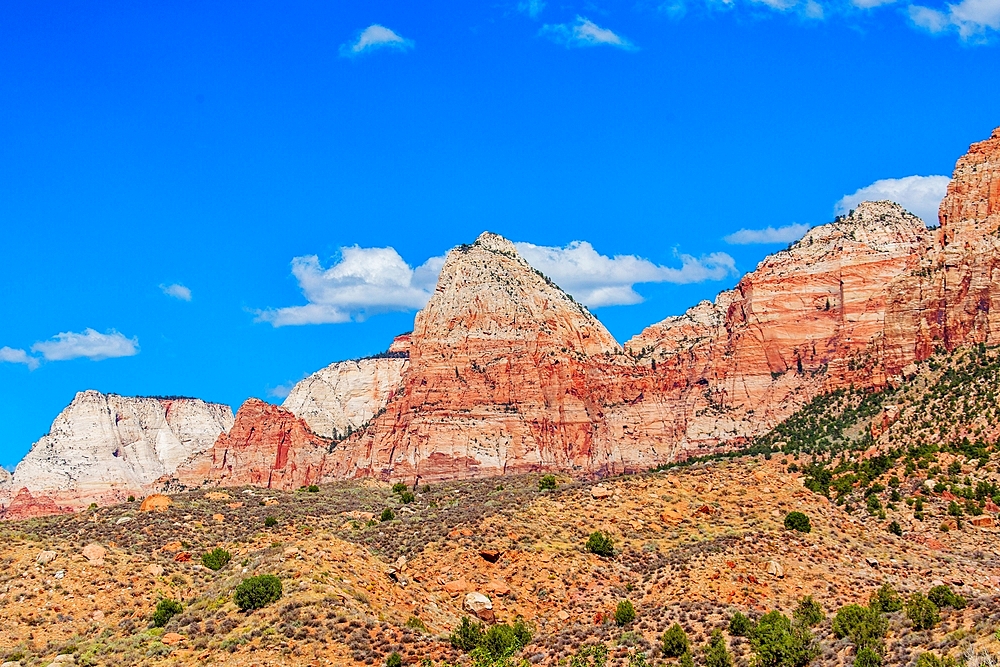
x=90 y=344
x=177 y=291
x=869 y=4
x=970 y=18
x=598 y=280
x=281 y=391
x=785 y=234
x=375 y=37
x=364 y=282
x=14 y=356
x=531 y=7
x=584 y=32
x=920 y=195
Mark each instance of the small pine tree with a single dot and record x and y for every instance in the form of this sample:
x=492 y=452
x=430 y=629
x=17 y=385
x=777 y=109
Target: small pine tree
x=886 y=599
x=394 y=660
x=922 y=612
x=716 y=653
x=809 y=612
x=257 y=592
x=547 y=483
x=675 y=641
x=165 y=610
x=797 y=521
x=388 y=515
x=625 y=613
x=600 y=544
x=740 y=625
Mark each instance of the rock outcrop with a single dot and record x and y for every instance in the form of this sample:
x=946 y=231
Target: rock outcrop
x=24 y=505
x=267 y=446
x=343 y=397
x=105 y=447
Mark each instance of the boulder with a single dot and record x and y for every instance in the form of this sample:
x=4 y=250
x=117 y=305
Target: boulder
x=155 y=570
x=172 y=638
x=490 y=555
x=982 y=521
x=94 y=553
x=599 y=492
x=155 y=503
x=774 y=569
x=480 y=605
x=45 y=557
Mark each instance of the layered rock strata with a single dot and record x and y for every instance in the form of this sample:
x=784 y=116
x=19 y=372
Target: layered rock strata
x=267 y=446
x=105 y=447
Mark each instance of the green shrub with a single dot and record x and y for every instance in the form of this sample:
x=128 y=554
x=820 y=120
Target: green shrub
x=867 y=657
x=922 y=612
x=740 y=625
x=270 y=522
x=547 y=483
x=394 y=660
x=467 y=635
x=675 y=640
x=809 y=612
x=387 y=515
x=165 y=610
x=503 y=640
x=600 y=544
x=684 y=661
x=776 y=642
x=931 y=660
x=865 y=626
x=624 y=613
x=315 y=489
x=886 y=600
x=716 y=654
x=847 y=618
x=257 y=592
x=415 y=623
x=398 y=487
x=131 y=499
x=797 y=521
x=895 y=529
x=943 y=596
x=216 y=559
x=407 y=497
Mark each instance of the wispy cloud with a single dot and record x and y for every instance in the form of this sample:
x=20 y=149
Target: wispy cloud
x=375 y=37
x=11 y=355
x=785 y=234
x=90 y=344
x=920 y=195
x=584 y=32
x=599 y=280
x=177 y=291
x=281 y=391
x=365 y=281
x=531 y=7
x=971 y=19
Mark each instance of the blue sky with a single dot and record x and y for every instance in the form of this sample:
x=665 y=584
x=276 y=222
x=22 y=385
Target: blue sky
x=192 y=198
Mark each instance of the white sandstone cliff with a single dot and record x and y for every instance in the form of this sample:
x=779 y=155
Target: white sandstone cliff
x=104 y=447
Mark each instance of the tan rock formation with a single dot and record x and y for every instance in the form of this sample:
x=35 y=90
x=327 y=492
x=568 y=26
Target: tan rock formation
x=156 y=502
x=267 y=446
x=24 y=505
x=345 y=396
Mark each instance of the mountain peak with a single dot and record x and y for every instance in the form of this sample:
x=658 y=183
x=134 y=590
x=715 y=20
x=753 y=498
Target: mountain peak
x=495 y=243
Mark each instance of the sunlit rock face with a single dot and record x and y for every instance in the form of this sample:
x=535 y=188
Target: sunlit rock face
x=105 y=447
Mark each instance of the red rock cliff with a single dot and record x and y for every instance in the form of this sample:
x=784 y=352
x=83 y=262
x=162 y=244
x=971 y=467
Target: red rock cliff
x=267 y=446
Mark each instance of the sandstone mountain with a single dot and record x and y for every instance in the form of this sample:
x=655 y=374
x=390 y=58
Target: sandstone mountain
x=504 y=372
x=105 y=447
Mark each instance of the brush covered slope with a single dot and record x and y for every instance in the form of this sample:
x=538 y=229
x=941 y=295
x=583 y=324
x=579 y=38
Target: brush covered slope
x=366 y=571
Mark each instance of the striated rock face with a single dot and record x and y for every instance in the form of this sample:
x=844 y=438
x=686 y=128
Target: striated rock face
x=954 y=297
x=496 y=379
x=26 y=506
x=104 y=447
x=267 y=446
x=345 y=396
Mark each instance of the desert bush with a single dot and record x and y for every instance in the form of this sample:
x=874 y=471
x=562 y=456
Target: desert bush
x=895 y=528
x=547 y=483
x=503 y=640
x=387 y=514
x=867 y=657
x=165 y=610
x=675 y=641
x=809 y=612
x=931 y=660
x=797 y=521
x=776 y=642
x=313 y=488
x=921 y=611
x=600 y=544
x=943 y=596
x=398 y=487
x=407 y=497
x=716 y=653
x=624 y=613
x=257 y=592
x=216 y=559
x=270 y=522
x=740 y=625
x=885 y=599
x=467 y=635
x=394 y=660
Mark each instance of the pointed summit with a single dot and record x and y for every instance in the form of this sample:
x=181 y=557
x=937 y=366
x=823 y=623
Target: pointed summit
x=495 y=243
